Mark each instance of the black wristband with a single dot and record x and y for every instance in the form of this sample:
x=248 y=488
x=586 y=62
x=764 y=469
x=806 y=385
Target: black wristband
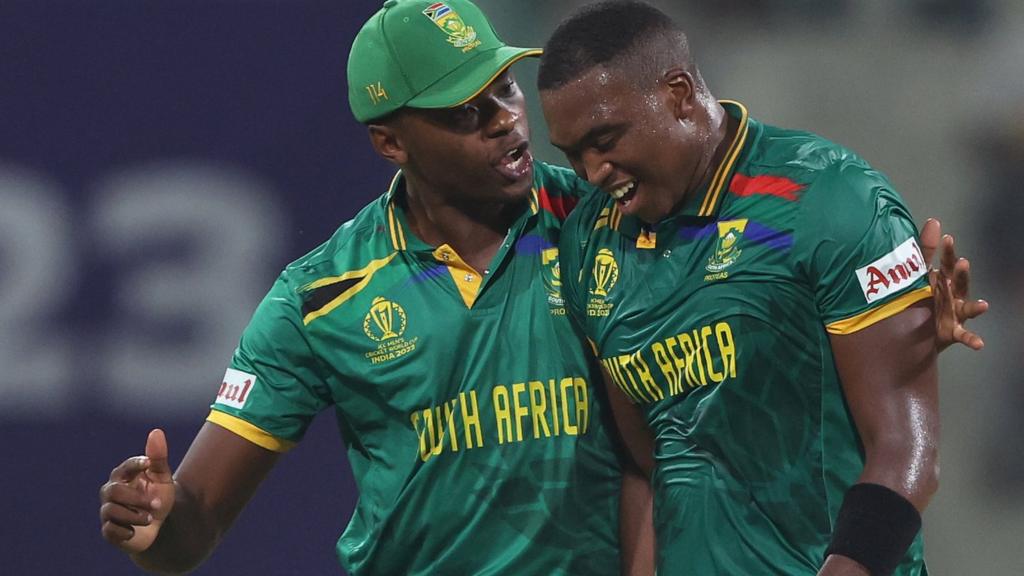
x=875 y=527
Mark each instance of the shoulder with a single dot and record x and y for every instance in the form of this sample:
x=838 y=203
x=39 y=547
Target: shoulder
x=559 y=189
x=593 y=213
x=838 y=190
x=364 y=238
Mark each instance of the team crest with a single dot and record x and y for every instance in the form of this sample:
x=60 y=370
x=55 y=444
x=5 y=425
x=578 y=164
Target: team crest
x=552 y=275
x=727 y=250
x=448 y=20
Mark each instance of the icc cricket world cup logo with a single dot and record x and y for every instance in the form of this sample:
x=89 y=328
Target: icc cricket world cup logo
x=606 y=272
x=385 y=320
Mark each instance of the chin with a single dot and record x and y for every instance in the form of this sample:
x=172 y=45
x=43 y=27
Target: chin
x=519 y=190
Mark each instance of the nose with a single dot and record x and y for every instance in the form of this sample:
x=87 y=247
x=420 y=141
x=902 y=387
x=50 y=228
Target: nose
x=504 y=120
x=596 y=168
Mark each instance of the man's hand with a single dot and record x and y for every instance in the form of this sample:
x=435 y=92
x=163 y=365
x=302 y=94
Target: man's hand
x=138 y=497
x=950 y=289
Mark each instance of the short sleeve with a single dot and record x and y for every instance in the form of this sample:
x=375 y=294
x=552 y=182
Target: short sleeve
x=272 y=389
x=859 y=246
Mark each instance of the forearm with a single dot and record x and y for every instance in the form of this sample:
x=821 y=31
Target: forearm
x=891 y=385
x=187 y=536
x=636 y=525
x=907 y=464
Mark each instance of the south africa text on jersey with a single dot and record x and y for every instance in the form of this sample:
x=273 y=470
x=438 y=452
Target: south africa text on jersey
x=698 y=357
x=532 y=410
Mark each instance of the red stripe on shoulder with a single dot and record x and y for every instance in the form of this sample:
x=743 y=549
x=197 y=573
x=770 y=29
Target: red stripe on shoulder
x=560 y=206
x=771 y=185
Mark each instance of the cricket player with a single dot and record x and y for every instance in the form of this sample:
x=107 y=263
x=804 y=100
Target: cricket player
x=761 y=296
x=433 y=324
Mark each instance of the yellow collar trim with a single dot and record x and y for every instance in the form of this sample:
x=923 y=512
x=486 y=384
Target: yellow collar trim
x=394 y=224
x=725 y=168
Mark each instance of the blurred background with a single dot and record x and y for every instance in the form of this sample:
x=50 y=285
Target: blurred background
x=161 y=160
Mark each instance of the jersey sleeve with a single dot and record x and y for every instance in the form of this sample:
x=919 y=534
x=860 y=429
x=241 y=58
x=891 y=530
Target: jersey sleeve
x=859 y=247
x=272 y=389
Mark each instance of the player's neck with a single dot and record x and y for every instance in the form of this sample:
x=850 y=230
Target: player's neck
x=722 y=128
x=474 y=231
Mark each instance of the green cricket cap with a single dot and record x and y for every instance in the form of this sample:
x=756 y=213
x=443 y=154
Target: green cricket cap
x=424 y=54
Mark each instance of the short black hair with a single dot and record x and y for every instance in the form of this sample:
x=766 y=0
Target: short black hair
x=599 y=34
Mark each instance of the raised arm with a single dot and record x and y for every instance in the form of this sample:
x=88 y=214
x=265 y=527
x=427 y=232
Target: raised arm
x=189 y=513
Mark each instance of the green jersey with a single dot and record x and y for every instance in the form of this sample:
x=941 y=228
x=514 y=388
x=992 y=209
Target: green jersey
x=466 y=398
x=717 y=321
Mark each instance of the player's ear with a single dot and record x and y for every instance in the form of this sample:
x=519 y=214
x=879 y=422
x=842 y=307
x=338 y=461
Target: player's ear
x=386 y=141
x=681 y=91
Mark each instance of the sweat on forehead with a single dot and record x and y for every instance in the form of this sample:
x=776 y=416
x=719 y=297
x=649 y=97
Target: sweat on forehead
x=619 y=32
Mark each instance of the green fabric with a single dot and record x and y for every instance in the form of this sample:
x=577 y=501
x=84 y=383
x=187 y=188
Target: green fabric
x=525 y=479
x=722 y=342
x=424 y=54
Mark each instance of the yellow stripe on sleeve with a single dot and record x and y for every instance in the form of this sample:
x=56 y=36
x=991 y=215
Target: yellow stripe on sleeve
x=252 y=433
x=367 y=274
x=875 y=315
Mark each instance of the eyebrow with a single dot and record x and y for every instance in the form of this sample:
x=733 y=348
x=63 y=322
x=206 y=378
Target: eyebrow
x=593 y=134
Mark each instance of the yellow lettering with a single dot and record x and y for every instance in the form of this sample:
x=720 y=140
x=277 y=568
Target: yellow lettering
x=520 y=410
x=728 y=347
x=667 y=367
x=433 y=435
x=471 y=420
x=570 y=428
x=538 y=406
x=449 y=418
x=554 y=405
x=377 y=93
x=415 y=417
x=671 y=344
x=693 y=356
x=623 y=364
x=582 y=404
x=502 y=414
x=705 y=332
x=644 y=372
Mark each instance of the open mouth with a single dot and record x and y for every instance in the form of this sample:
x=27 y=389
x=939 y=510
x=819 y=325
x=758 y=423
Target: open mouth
x=624 y=193
x=516 y=162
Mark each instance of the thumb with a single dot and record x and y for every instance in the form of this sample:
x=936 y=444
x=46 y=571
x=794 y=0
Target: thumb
x=156 y=451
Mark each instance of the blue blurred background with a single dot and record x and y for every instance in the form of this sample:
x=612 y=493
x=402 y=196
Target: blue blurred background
x=161 y=160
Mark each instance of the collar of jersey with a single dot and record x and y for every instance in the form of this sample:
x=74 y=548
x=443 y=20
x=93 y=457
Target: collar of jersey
x=402 y=239
x=706 y=203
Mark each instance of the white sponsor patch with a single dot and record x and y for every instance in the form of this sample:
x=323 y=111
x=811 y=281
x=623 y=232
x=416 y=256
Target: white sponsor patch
x=235 y=388
x=892 y=272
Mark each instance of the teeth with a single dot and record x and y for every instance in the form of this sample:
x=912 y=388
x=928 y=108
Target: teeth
x=621 y=191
